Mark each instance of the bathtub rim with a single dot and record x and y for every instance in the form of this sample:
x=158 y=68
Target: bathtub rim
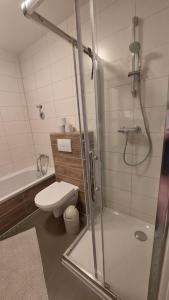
x=49 y=174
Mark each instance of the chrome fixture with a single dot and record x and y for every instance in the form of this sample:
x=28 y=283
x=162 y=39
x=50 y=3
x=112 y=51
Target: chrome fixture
x=124 y=129
x=141 y=236
x=135 y=75
x=28 y=8
x=41 y=113
x=42 y=164
x=135 y=48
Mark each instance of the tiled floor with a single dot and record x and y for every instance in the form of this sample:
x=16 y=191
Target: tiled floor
x=53 y=241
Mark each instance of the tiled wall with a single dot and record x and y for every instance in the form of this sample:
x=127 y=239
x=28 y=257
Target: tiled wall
x=133 y=190
x=48 y=77
x=16 y=144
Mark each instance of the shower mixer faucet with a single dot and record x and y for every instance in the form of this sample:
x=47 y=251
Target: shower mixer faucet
x=136 y=129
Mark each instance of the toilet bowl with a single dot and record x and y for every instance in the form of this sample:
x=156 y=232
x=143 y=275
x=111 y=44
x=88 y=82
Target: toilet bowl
x=56 y=197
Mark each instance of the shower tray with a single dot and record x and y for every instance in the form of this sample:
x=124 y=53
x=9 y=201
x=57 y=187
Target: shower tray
x=126 y=257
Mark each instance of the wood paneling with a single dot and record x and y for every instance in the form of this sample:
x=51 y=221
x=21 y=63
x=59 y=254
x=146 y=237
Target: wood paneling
x=18 y=207
x=68 y=165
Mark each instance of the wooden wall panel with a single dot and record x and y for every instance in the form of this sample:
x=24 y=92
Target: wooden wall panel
x=68 y=166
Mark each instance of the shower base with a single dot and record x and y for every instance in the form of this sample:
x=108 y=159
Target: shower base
x=127 y=259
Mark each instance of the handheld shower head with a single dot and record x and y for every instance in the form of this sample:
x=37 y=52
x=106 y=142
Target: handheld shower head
x=29 y=6
x=135 y=47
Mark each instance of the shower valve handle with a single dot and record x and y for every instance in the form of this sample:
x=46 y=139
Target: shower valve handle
x=136 y=129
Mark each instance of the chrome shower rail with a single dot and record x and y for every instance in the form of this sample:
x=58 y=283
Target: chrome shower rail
x=47 y=24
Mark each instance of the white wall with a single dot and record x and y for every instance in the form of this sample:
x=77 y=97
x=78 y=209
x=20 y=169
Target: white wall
x=48 y=78
x=16 y=144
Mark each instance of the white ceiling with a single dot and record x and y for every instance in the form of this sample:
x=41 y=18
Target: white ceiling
x=17 y=32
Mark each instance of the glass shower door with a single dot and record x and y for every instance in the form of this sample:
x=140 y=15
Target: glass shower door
x=88 y=252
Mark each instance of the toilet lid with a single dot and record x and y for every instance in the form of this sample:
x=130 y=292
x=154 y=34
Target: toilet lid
x=54 y=194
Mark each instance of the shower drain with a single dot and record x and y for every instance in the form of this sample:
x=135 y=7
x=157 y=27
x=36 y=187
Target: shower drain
x=141 y=236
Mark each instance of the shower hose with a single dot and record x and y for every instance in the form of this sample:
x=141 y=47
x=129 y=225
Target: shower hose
x=146 y=130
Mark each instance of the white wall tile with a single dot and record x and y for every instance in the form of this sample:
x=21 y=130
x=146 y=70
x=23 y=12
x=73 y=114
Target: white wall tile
x=150 y=168
x=13 y=113
x=153 y=34
x=40 y=59
x=14 y=127
x=114 y=162
x=64 y=89
x=5 y=157
x=45 y=94
x=65 y=107
x=6 y=169
x=117 y=180
x=115 y=142
x=140 y=144
x=43 y=77
x=155 y=117
x=118 y=198
x=29 y=82
x=120 y=98
x=114 y=18
x=11 y=99
x=145 y=186
x=115 y=46
x=119 y=119
x=62 y=69
x=144 y=205
x=9 y=84
x=146 y=8
x=154 y=93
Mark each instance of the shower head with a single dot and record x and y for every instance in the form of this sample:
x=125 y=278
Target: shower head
x=135 y=47
x=29 y=6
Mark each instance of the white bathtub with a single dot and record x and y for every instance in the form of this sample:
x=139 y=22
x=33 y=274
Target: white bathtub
x=17 y=182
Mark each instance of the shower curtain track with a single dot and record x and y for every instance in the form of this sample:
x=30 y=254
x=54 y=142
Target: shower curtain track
x=47 y=24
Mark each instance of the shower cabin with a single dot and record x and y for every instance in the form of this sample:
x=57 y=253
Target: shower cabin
x=120 y=252
x=121 y=95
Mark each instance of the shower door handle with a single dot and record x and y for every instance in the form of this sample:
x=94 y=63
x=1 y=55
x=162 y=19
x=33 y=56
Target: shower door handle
x=92 y=158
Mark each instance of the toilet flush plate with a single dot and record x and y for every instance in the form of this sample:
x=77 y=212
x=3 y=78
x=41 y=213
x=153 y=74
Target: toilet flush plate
x=64 y=145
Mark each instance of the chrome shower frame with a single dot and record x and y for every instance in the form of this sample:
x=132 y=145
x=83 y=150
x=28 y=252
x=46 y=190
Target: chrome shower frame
x=47 y=24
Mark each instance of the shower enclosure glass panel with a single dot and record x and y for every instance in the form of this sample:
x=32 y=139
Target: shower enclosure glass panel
x=91 y=261
x=123 y=178
x=130 y=190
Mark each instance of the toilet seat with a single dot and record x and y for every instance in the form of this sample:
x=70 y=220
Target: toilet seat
x=54 y=195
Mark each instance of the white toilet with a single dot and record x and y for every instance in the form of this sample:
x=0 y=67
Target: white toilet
x=56 y=197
